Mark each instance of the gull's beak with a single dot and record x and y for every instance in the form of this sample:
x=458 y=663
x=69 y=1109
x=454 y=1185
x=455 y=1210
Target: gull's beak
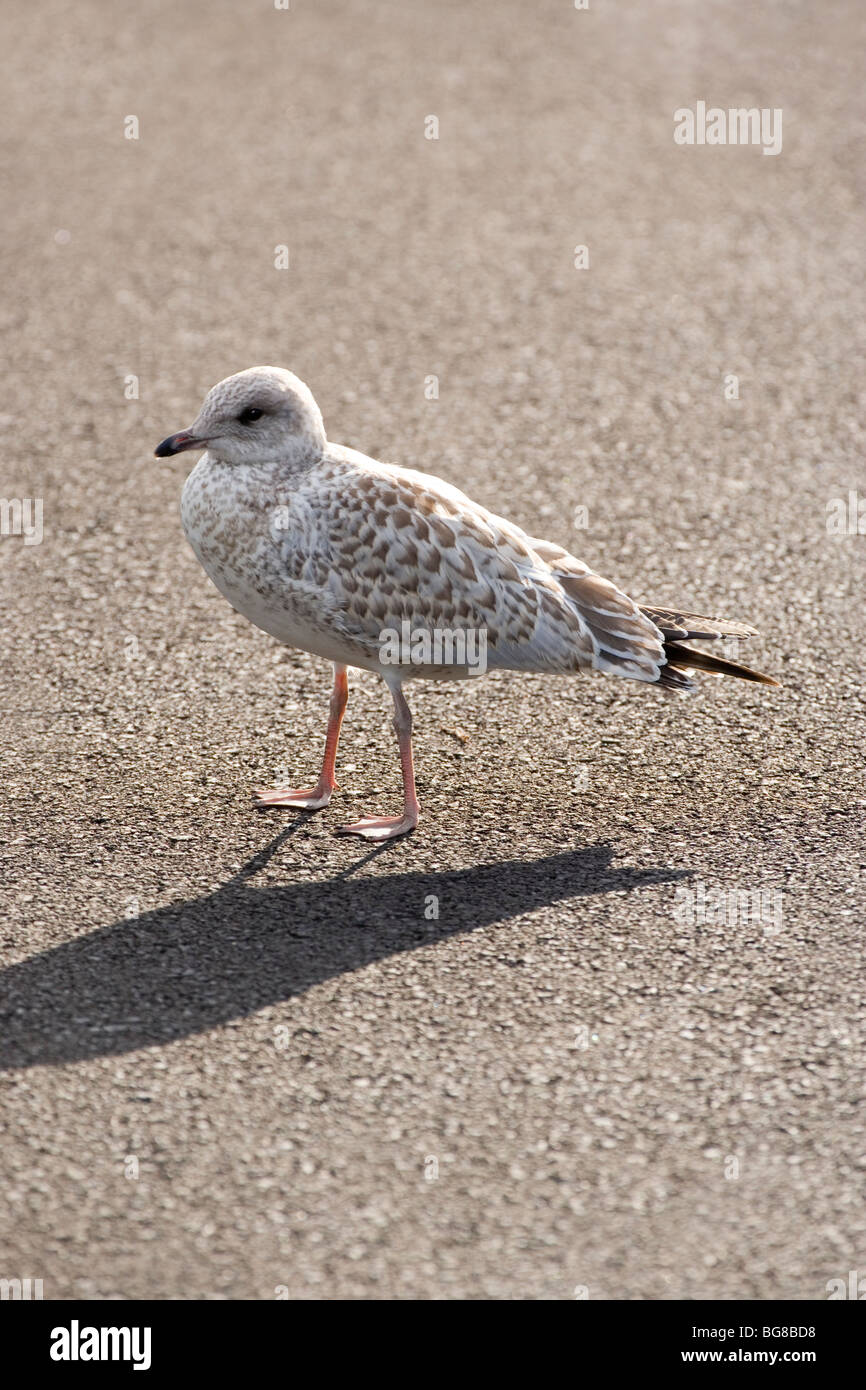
x=176 y=443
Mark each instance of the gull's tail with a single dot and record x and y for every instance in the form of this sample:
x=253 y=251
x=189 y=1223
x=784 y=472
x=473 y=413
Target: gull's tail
x=678 y=627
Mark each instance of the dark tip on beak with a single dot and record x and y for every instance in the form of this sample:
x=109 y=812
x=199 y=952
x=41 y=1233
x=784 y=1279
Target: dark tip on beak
x=176 y=443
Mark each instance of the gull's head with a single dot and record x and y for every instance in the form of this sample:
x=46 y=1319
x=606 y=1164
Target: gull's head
x=262 y=415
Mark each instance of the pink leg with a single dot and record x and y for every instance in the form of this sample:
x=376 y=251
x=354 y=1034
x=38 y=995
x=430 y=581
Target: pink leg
x=320 y=795
x=388 y=827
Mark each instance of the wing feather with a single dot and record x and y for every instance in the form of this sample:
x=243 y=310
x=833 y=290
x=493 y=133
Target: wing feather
x=405 y=546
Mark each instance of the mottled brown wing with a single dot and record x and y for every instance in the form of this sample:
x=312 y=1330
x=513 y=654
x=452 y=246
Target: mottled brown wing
x=403 y=547
x=407 y=547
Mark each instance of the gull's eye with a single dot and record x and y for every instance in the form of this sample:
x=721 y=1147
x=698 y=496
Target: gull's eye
x=250 y=415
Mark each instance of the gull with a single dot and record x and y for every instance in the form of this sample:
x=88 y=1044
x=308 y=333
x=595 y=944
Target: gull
x=334 y=553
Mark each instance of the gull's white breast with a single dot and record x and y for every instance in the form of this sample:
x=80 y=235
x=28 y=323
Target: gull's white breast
x=260 y=542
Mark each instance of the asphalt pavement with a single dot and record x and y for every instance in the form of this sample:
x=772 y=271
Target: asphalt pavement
x=597 y=1028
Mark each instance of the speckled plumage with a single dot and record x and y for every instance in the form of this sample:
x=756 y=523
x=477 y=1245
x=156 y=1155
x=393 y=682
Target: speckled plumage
x=325 y=549
x=327 y=552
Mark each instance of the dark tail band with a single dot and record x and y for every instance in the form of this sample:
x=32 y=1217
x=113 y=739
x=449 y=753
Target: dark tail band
x=674 y=626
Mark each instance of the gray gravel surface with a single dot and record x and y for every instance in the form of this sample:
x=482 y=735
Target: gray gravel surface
x=240 y=1054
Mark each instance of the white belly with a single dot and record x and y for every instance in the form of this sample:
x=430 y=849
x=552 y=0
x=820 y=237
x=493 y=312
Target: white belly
x=229 y=518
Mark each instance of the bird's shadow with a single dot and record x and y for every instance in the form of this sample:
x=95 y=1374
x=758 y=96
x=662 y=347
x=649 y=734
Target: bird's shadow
x=188 y=967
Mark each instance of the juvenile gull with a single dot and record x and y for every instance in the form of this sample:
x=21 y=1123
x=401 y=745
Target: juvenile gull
x=328 y=550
